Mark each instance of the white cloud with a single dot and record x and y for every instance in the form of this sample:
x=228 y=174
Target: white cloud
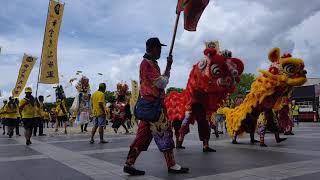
x=250 y=29
x=109 y=37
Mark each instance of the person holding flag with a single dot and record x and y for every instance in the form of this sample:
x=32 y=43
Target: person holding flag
x=27 y=109
x=152 y=85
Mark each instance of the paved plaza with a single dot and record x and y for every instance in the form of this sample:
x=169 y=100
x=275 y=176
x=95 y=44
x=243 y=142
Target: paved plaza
x=71 y=156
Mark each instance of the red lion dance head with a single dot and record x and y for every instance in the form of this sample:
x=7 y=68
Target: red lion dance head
x=209 y=82
x=122 y=89
x=216 y=73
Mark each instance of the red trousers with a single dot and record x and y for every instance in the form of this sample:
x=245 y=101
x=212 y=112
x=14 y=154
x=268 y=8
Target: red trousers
x=144 y=137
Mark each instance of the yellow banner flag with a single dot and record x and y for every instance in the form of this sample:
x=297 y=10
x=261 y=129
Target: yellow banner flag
x=134 y=93
x=24 y=72
x=49 y=65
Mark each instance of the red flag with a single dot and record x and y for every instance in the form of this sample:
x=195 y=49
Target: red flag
x=193 y=10
x=180 y=6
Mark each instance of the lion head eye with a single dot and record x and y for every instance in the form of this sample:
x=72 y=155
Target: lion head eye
x=289 y=68
x=234 y=73
x=215 y=70
x=202 y=64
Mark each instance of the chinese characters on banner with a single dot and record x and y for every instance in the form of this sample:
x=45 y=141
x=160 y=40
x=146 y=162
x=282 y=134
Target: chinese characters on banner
x=49 y=66
x=134 y=93
x=24 y=72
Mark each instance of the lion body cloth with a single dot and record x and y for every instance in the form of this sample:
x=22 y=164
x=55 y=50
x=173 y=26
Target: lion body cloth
x=266 y=93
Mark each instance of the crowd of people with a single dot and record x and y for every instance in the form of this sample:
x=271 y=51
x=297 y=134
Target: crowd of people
x=31 y=113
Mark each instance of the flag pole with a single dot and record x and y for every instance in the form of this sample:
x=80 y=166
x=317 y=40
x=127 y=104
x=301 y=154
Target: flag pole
x=174 y=33
x=45 y=30
x=38 y=77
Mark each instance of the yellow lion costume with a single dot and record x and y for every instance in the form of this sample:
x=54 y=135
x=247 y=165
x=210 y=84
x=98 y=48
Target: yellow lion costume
x=266 y=92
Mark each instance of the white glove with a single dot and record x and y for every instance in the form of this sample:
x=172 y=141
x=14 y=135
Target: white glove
x=162 y=82
x=186 y=118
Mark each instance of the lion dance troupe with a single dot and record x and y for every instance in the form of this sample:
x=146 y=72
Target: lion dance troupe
x=167 y=118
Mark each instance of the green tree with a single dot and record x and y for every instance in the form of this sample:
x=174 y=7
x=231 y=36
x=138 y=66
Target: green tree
x=110 y=96
x=69 y=101
x=48 y=106
x=246 y=79
x=170 y=89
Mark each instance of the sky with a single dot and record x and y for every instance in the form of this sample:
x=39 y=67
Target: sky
x=108 y=37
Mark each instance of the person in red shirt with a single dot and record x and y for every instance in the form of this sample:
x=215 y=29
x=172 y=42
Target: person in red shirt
x=152 y=85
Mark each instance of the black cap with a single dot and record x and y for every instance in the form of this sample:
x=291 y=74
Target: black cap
x=153 y=42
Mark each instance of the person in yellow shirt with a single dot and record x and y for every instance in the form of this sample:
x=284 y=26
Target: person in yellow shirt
x=2 y=116
x=62 y=114
x=11 y=109
x=295 y=112
x=39 y=117
x=27 y=109
x=46 y=117
x=18 y=118
x=99 y=113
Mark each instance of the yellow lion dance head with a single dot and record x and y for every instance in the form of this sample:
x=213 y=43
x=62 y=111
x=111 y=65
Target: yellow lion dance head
x=286 y=68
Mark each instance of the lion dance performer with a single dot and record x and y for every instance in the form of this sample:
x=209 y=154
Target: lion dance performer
x=61 y=110
x=119 y=114
x=266 y=92
x=81 y=105
x=264 y=125
x=280 y=122
x=209 y=82
x=285 y=120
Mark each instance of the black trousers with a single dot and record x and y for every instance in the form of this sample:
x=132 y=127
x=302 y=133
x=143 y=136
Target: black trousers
x=38 y=124
x=18 y=126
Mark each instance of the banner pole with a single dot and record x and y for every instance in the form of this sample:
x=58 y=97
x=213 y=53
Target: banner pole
x=174 y=33
x=38 y=78
x=45 y=30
